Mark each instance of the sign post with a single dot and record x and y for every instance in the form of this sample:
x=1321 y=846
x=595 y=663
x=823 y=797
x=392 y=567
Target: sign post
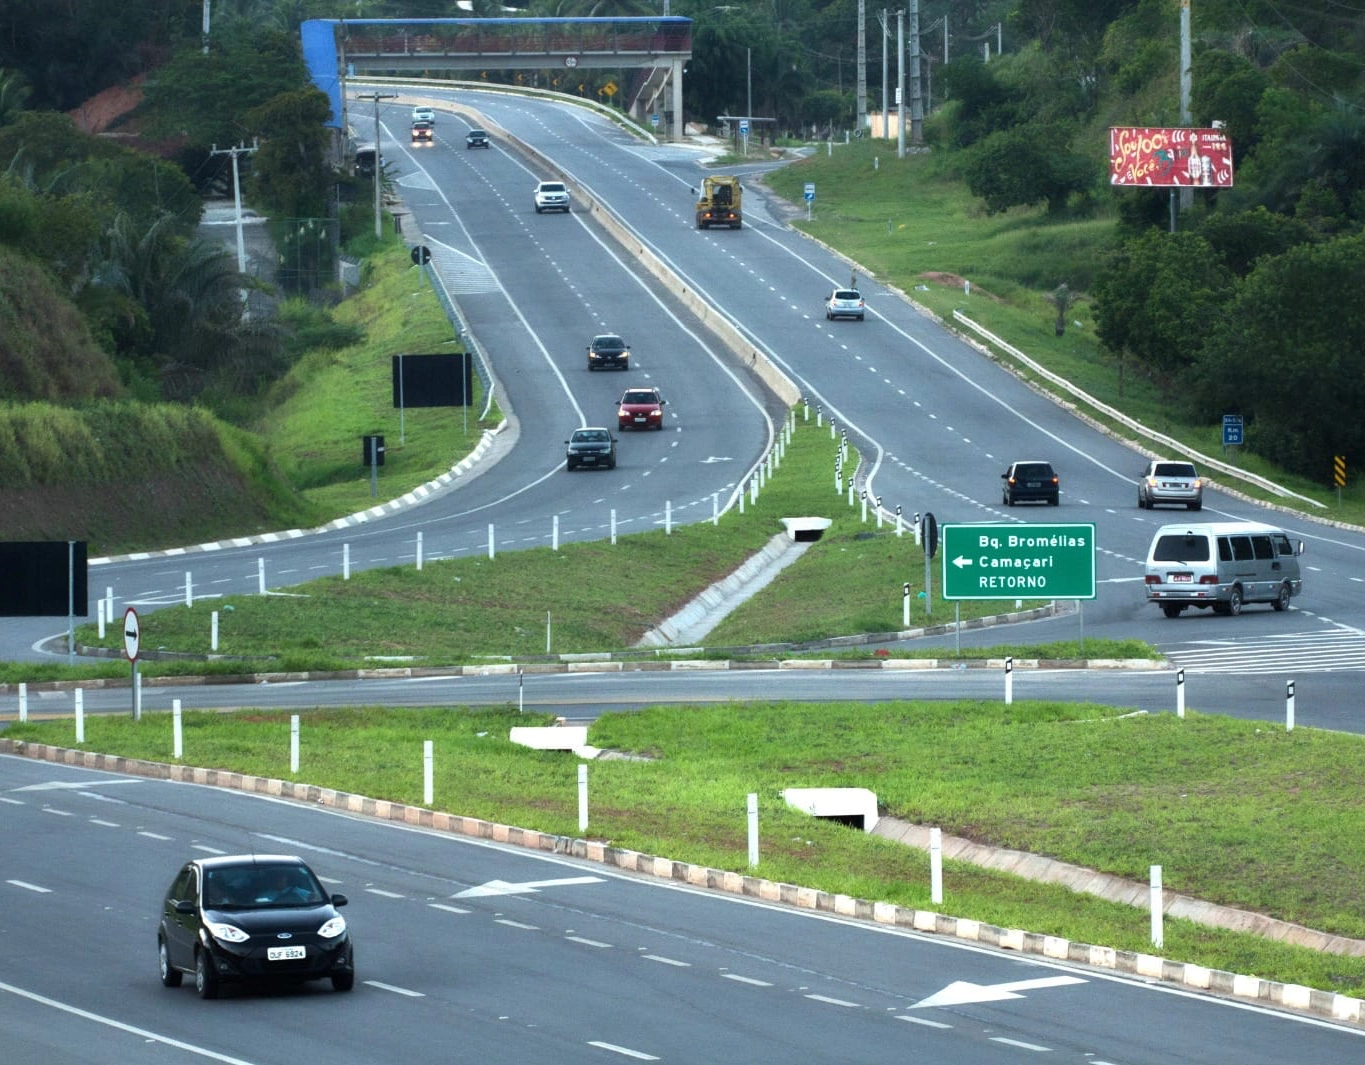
x=1018 y=561
x=132 y=641
x=810 y=197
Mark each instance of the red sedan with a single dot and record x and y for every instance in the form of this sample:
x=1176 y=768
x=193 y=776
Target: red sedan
x=640 y=408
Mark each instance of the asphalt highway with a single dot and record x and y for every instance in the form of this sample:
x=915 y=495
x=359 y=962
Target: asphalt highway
x=470 y=951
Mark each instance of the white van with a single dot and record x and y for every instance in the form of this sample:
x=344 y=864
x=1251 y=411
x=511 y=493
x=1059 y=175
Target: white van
x=1222 y=565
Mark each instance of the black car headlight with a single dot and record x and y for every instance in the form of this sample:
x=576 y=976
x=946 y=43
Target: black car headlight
x=228 y=933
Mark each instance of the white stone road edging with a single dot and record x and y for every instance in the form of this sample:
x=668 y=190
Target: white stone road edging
x=1271 y=992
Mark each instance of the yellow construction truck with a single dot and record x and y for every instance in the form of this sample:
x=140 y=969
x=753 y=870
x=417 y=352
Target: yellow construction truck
x=719 y=203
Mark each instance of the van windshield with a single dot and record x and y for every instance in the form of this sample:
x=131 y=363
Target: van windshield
x=1181 y=548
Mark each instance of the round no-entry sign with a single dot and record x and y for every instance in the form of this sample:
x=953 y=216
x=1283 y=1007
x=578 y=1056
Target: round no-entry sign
x=132 y=634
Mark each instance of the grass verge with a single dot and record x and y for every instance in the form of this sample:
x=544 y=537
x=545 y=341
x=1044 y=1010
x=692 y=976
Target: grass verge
x=1235 y=813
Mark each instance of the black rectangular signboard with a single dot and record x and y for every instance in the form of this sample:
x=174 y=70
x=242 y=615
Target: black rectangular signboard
x=432 y=380
x=43 y=579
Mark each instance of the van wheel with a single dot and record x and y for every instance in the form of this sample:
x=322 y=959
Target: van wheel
x=1282 y=598
x=1235 y=601
x=1172 y=610
x=1195 y=506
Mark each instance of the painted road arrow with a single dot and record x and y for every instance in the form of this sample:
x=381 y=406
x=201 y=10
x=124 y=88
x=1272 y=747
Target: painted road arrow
x=963 y=993
x=502 y=887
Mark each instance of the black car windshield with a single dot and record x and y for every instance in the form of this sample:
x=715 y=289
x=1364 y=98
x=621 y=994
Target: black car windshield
x=640 y=397
x=1175 y=469
x=252 y=887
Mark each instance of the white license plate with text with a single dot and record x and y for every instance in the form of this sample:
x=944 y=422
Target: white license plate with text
x=286 y=953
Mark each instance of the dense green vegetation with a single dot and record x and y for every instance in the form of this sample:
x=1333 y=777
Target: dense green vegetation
x=1251 y=308
x=1236 y=813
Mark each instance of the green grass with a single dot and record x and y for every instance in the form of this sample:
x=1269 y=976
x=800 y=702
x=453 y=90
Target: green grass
x=467 y=609
x=1234 y=812
x=321 y=409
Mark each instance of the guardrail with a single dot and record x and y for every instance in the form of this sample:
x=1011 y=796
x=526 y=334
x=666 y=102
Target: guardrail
x=1131 y=423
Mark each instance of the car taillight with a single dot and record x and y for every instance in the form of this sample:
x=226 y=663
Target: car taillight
x=1152 y=579
x=1209 y=578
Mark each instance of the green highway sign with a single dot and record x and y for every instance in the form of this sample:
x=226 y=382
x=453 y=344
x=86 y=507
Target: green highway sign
x=1018 y=561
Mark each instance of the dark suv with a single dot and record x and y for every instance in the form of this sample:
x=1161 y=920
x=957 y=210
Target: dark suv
x=476 y=138
x=1033 y=480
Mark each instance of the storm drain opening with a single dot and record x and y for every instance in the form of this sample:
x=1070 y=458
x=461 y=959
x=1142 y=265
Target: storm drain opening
x=806 y=530
x=854 y=807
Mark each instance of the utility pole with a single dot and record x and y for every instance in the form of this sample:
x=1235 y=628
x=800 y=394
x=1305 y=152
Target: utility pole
x=1186 y=76
x=900 y=84
x=916 y=88
x=237 y=202
x=886 y=100
x=206 y=34
x=862 y=64
x=378 y=156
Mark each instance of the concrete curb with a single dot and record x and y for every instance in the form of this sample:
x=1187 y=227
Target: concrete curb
x=577 y=663
x=1328 y=1004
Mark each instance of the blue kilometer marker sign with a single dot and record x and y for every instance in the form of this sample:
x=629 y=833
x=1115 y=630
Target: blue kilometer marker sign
x=1018 y=561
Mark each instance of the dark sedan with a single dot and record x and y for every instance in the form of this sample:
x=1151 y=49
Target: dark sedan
x=590 y=446
x=608 y=349
x=252 y=918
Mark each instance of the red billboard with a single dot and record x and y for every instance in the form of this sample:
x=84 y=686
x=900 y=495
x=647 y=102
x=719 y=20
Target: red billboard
x=1170 y=157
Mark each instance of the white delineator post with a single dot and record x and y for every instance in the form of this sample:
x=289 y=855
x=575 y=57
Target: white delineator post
x=1179 y=693
x=294 y=743
x=80 y=716
x=1009 y=681
x=428 y=786
x=345 y=562
x=1155 y=892
x=177 y=730
x=1289 y=706
x=23 y=701
x=582 y=798
x=753 y=829
x=936 y=866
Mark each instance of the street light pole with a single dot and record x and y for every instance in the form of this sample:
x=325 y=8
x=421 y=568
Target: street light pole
x=378 y=156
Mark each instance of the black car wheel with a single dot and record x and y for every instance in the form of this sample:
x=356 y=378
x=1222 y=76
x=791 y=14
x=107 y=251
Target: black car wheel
x=1008 y=500
x=343 y=981
x=1055 y=501
x=170 y=976
x=1282 y=598
x=1172 y=610
x=205 y=979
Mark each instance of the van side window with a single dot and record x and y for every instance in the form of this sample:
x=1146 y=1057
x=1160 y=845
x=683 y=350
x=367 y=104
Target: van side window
x=1282 y=544
x=1224 y=549
x=1241 y=548
x=1263 y=547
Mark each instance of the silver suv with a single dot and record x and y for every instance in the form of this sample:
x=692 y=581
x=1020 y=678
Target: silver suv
x=552 y=196
x=1165 y=481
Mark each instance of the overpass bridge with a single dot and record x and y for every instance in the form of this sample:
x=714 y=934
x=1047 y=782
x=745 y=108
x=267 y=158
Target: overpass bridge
x=647 y=52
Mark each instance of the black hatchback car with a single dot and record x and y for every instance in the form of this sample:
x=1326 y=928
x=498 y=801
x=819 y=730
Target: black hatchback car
x=591 y=445
x=1031 y=481
x=252 y=918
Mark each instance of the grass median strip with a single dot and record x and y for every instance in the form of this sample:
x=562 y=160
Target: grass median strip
x=596 y=596
x=1235 y=812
